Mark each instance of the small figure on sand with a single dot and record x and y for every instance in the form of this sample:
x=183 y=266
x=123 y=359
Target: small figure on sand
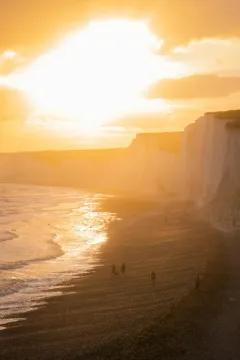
x=114 y=271
x=123 y=268
x=197 y=282
x=153 y=276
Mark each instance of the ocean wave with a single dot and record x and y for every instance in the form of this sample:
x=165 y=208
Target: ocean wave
x=50 y=241
x=13 y=265
x=19 y=264
x=7 y=236
x=9 y=287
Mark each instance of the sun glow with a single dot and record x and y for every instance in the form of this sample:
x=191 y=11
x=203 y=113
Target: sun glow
x=96 y=74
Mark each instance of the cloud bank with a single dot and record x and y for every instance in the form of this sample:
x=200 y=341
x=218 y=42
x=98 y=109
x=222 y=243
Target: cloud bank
x=35 y=23
x=196 y=86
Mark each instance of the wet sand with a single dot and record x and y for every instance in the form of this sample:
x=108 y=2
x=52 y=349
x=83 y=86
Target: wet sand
x=105 y=316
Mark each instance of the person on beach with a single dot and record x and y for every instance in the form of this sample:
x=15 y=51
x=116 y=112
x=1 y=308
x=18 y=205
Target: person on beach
x=114 y=271
x=123 y=268
x=197 y=282
x=153 y=276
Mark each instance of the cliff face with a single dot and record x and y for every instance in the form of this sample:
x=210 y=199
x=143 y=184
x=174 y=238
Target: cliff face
x=211 y=165
x=153 y=162
x=148 y=166
x=201 y=165
x=86 y=169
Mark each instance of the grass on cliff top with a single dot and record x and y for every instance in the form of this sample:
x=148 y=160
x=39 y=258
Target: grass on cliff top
x=232 y=115
x=233 y=125
x=225 y=115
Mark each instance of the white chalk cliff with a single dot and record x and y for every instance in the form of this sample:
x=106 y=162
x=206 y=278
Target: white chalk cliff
x=201 y=165
x=150 y=165
x=210 y=158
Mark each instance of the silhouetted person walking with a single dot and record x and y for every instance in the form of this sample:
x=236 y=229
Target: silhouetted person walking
x=197 y=282
x=153 y=276
x=123 y=268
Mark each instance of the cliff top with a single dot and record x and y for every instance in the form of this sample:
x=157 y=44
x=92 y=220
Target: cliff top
x=167 y=141
x=55 y=157
x=232 y=115
x=233 y=125
x=226 y=115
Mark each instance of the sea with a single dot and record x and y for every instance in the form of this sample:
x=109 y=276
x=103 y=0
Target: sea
x=48 y=235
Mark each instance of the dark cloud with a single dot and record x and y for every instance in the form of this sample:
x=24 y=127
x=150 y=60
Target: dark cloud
x=196 y=86
x=38 y=23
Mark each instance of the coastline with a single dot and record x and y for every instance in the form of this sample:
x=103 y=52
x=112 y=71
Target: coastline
x=129 y=315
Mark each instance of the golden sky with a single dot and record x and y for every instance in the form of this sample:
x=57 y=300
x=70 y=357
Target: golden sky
x=88 y=74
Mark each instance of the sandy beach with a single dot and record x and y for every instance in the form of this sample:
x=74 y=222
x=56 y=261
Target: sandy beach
x=105 y=316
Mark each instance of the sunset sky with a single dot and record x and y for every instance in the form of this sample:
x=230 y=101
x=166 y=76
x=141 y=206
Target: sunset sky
x=89 y=74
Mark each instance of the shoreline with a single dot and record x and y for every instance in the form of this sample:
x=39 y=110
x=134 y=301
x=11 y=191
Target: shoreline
x=129 y=320
x=170 y=337
x=128 y=194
